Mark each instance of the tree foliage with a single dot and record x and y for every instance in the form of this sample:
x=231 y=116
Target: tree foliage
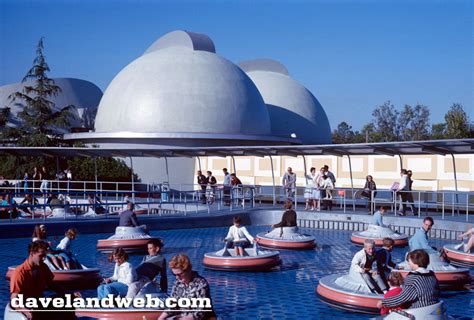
x=385 y=120
x=457 y=122
x=40 y=120
x=410 y=124
x=39 y=128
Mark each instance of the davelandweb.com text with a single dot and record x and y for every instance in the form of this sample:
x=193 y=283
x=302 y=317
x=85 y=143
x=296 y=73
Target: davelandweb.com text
x=110 y=302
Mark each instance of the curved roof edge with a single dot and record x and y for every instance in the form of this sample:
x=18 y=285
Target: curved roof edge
x=184 y=39
x=263 y=65
x=83 y=136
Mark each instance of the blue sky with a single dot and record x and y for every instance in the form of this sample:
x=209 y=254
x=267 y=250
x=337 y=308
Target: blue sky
x=353 y=55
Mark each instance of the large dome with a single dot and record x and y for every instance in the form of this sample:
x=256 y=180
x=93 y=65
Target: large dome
x=292 y=107
x=180 y=87
x=84 y=95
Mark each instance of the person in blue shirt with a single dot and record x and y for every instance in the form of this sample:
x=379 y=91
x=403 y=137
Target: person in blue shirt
x=420 y=238
x=377 y=218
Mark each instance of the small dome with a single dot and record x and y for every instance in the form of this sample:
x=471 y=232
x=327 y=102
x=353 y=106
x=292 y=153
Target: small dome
x=84 y=95
x=180 y=89
x=183 y=39
x=292 y=108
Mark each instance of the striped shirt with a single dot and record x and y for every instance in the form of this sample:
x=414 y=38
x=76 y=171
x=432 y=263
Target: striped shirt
x=420 y=289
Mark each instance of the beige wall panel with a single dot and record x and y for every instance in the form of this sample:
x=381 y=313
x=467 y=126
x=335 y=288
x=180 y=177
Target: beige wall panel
x=449 y=185
x=266 y=181
x=244 y=166
x=462 y=165
x=385 y=164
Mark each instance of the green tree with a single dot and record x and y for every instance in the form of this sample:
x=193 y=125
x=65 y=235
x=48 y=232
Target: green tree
x=414 y=123
x=457 y=122
x=40 y=120
x=438 y=131
x=108 y=169
x=385 y=119
x=370 y=134
x=343 y=133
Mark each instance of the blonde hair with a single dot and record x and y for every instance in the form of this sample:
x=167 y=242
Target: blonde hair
x=181 y=261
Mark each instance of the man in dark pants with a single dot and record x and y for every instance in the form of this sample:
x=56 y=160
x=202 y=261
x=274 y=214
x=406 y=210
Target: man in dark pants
x=202 y=181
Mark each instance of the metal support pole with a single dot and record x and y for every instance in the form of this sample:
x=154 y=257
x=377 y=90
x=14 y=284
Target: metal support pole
x=199 y=163
x=233 y=164
x=401 y=161
x=352 y=182
x=167 y=172
x=304 y=164
x=273 y=181
x=95 y=172
x=455 y=180
x=133 y=181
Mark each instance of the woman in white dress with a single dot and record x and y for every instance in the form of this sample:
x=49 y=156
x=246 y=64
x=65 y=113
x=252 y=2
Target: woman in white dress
x=309 y=190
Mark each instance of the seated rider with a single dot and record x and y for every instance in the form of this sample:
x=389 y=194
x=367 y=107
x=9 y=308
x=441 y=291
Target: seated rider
x=128 y=217
x=30 y=202
x=467 y=247
x=239 y=236
x=383 y=257
x=63 y=257
x=420 y=238
x=151 y=266
x=289 y=216
x=362 y=264
x=377 y=218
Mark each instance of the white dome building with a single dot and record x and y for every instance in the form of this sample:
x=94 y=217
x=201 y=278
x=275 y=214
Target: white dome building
x=83 y=95
x=293 y=109
x=181 y=93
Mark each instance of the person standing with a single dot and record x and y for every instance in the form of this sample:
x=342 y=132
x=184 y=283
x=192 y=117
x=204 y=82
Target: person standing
x=369 y=191
x=329 y=174
x=309 y=190
x=227 y=186
x=289 y=183
x=36 y=176
x=410 y=201
x=402 y=190
x=68 y=178
x=202 y=182
x=44 y=180
x=211 y=187
x=25 y=182
x=328 y=187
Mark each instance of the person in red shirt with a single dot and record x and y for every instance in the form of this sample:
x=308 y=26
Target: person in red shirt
x=395 y=280
x=33 y=277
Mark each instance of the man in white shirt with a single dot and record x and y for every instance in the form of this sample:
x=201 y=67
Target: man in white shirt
x=227 y=187
x=289 y=183
x=403 y=187
x=362 y=264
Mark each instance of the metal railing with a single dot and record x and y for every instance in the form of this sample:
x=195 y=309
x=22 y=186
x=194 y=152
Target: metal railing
x=156 y=200
x=83 y=200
